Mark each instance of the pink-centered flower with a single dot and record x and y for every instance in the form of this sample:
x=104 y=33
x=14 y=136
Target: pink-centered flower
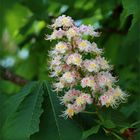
x=57 y=34
x=113 y=97
x=105 y=79
x=83 y=99
x=91 y=65
x=70 y=96
x=75 y=59
x=89 y=82
x=88 y=30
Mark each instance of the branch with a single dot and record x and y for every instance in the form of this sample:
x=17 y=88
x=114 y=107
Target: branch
x=6 y=74
x=108 y=24
x=112 y=30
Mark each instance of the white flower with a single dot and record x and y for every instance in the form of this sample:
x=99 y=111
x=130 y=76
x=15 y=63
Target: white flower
x=69 y=77
x=52 y=53
x=80 y=101
x=84 y=45
x=113 y=97
x=56 y=71
x=78 y=109
x=105 y=79
x=69 y=112
x=70 y=96
x=56 y=61
x=88 y=30
x=58 y=86
x=77 y=66
x=88 y=82
x=103 y=63
x=75 y=59
x=91 y=65
x=64 y=21
x=72 y=32
x=61 y=47
x=57 y=34
x=95 y=49
x=119 y=95
x=83 y=99
x=103 y=99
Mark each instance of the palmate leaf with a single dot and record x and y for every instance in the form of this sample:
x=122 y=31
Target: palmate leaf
x=23 y=111
x=54 y=127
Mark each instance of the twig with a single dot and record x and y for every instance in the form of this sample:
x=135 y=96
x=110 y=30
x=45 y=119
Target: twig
x=112 y=30
x=6 y=74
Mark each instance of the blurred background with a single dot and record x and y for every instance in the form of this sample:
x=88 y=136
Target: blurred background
x=23 y=50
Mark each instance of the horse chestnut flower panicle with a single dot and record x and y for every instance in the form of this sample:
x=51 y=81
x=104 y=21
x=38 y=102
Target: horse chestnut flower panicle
x=79 y=70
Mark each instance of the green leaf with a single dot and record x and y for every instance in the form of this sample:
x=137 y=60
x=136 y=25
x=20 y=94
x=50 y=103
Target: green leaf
x=38 y=8
x=54 y=127
x=129 y=8
x=130 y=109
x=12 y=104
x=91 y=131
x=109 y=124
x=3 y=98
x=23 y=120
x=23 y=30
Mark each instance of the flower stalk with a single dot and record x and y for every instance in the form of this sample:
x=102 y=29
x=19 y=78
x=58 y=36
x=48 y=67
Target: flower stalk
x=81 y=73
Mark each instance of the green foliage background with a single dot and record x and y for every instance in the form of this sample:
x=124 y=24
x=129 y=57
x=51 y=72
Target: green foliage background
x=32 y=112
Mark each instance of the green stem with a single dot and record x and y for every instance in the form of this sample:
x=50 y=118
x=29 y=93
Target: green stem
x=135 y=123
x=113 y=133
x=116 y=135
x=96 y=113
x=99 y=116
x=87 y=112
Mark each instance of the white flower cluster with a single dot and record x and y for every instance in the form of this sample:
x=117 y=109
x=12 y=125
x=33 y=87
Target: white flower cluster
x=80 y=71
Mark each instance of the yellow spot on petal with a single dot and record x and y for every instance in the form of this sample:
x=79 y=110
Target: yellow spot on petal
x=79 y=101
x=92 y=65
x=109 y=101
x=83 y=44
x=71 y=32
x=65 y=21
x=70 y=112
x=77 y=61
